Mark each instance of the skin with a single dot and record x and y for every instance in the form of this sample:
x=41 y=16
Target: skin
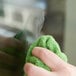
x=58 y=66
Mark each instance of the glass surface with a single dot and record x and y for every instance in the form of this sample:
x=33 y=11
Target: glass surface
x=19 y=27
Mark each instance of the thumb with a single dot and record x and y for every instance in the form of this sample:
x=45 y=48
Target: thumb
x=49 y=58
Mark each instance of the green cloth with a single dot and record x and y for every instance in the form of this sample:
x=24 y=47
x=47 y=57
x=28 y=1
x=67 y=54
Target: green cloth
x=45 y=41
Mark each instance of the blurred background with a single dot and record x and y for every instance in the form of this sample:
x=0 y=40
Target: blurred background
x=38 y=17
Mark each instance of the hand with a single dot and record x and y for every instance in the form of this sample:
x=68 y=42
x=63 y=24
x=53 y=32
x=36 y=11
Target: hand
x=58 y=66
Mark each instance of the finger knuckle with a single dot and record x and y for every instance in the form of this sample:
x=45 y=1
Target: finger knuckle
x=29 y=70
x=42 y=54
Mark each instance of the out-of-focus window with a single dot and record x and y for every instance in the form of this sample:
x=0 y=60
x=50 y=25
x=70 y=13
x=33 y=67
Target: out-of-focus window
x=17 y=16
x=1 y=9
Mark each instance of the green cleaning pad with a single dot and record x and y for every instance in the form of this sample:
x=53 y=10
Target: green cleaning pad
x=45 y=41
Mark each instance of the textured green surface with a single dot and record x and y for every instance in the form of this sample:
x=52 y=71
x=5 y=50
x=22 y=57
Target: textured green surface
x=48 y=42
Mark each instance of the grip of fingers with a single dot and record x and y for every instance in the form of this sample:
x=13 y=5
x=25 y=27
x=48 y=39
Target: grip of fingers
x=49 y=43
